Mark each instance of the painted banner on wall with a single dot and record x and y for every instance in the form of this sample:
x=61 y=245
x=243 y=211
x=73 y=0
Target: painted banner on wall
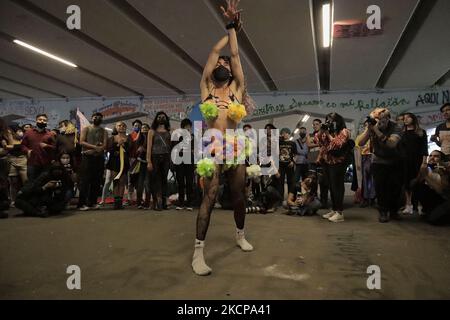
x=350 y=105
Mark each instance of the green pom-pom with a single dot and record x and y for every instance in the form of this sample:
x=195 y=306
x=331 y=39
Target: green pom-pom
x=209 y=111
x=206 y=168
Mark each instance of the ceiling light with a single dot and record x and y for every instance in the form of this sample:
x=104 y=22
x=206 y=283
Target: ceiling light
x=306 y=117
x=296 y=131
x=326 y=25
x=49 y=55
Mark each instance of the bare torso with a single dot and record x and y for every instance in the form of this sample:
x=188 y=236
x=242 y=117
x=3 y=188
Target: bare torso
x=222 y=98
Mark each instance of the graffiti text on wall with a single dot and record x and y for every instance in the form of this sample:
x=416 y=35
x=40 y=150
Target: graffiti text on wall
x=391 y=102
x=433 y=98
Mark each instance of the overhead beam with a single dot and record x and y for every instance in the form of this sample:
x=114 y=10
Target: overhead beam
x=10 y=38
x=134 y=15
x=37 y=11
x=246 y=46
x=33 y=87
x=415 y=22
x=15 y=93
x=50 y=77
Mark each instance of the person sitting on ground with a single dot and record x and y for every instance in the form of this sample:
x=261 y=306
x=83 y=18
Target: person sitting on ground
x=304 y=200
x=432 y=189
x=47 y=194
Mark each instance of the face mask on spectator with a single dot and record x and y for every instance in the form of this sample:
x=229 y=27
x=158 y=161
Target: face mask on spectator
x=41 y=125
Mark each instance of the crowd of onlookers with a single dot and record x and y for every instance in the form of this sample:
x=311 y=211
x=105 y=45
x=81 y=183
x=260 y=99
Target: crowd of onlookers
x=44 y=172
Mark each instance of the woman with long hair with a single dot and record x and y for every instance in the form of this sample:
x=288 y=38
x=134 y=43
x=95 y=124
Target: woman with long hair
x=67 y=142
x=158 y=158
x=335 y=147
x=119 y=162
x=222 y=90
x=414 y=145
x=143 y=184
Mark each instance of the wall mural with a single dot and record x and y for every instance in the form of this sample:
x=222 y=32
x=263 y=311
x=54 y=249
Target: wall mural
x=351 y=105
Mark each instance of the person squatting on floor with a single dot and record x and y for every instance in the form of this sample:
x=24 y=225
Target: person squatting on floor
x=222 y=88
x=303 y=201
x=47 y=194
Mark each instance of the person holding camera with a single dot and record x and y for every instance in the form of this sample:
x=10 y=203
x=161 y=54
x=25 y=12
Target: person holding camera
x=442 y=134
x=431 y=188
x=303 y=201
x=335 y=148
x=47 y=194
x=385 y=135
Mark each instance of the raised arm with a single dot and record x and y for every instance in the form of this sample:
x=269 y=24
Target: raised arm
x=233 y=15
x=238 y=73
x=210 y=65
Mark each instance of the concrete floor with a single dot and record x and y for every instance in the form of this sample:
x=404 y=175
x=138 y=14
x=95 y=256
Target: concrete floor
x=147 y=255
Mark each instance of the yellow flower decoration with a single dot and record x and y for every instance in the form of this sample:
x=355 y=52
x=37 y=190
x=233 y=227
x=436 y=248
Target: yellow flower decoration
x=236 y=112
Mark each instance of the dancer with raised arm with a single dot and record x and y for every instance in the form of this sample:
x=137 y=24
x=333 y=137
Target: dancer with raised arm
x=222 y=90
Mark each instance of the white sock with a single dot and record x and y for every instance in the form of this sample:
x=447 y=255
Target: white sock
x=198 y=261
x=242 y=242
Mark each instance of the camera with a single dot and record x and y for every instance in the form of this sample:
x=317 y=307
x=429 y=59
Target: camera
x=328 y=126
x=371 y=121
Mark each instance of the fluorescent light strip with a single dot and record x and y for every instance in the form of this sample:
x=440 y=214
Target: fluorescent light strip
x=326 y=25
x=306 y=117
x=49 y=55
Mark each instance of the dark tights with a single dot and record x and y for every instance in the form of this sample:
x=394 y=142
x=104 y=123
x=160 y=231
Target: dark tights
x=236 y=178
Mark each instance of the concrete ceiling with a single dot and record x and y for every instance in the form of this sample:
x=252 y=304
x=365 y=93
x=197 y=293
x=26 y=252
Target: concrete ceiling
x=159 y=47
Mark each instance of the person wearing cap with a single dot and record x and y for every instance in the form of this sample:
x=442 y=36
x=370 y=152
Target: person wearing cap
x=287 y=151
x=442 y=133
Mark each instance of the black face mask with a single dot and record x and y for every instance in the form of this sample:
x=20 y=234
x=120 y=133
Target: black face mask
x=221 y=74
x=97 y=122
x=302 y=135
x=41 y=125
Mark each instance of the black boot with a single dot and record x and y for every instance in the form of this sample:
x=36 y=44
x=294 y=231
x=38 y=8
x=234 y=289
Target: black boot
x=384 y=216
x=118 y=203
x=394 y=215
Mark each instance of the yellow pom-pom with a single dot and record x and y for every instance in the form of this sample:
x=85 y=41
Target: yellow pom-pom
x=236 y=112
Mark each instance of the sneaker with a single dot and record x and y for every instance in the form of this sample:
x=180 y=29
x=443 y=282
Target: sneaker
x=271 y=210
x=329 y=214
x=337 y=217
x=179 y=208
x=420 y=211
x=96 y=207
x=189 y=209
x=408 y=210
x=84 y=208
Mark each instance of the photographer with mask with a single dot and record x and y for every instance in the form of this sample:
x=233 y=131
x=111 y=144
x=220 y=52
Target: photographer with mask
x=384 y=135
x=335 y=148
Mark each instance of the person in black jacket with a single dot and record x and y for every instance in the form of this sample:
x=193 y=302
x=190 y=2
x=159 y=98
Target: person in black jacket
x=47 y=194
